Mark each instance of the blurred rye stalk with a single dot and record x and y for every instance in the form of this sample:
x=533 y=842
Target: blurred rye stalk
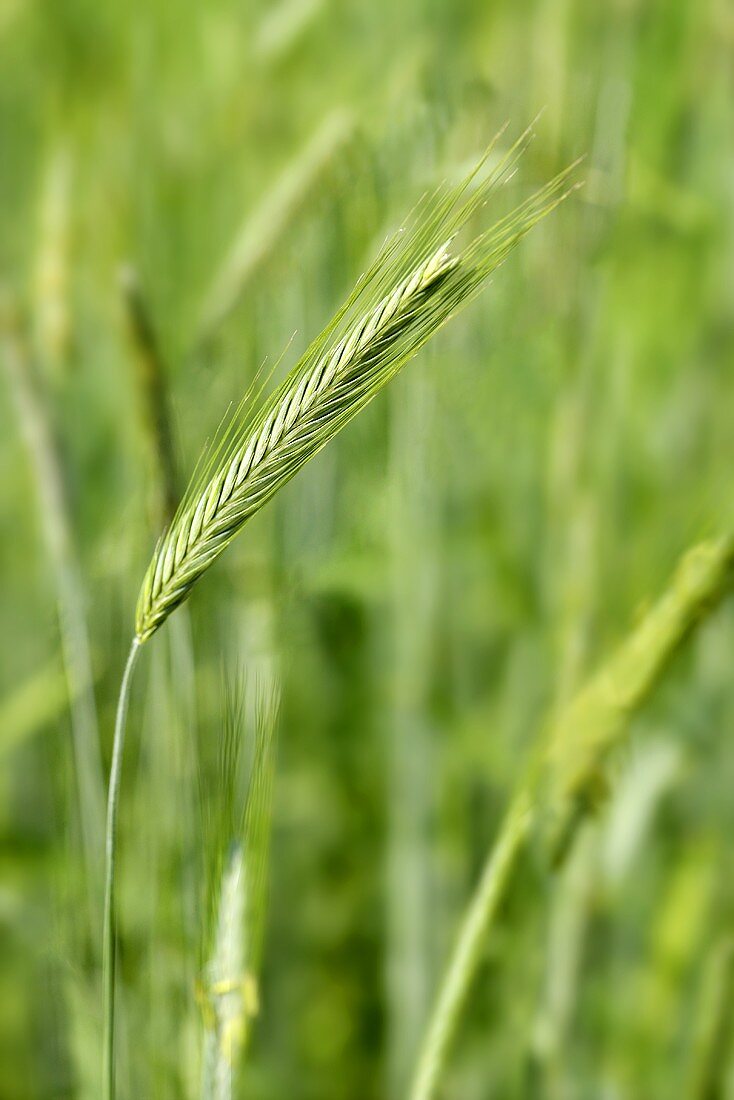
x=282 y=26
x=573 y=583
x=569 y=904
x=599 y=862
x=409 y=747
x=44 y=455
x=565 y=778
x=422 y=277
x=256 y=238
x=707 y=1078
x=238 y=850
x=679 y=925
x=50 y=299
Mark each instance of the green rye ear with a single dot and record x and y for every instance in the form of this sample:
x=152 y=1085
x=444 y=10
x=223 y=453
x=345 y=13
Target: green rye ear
x=422 y=277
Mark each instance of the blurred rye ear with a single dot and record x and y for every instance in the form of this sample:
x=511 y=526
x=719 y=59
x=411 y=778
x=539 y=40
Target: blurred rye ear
x=152 y=387
x=422 y=277
x=238 y=841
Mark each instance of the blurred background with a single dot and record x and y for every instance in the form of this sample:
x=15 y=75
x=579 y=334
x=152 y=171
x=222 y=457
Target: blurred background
x=186 y=190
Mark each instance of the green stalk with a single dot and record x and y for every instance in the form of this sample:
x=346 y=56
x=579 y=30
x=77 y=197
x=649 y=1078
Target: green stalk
x=715 y=1030
x=467 y=952
x=108 y=943
x=410 y=750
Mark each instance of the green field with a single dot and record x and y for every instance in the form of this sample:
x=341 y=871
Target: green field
x=480 y=647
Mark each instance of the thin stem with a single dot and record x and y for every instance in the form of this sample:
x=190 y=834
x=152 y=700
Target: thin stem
x=108 y=946
x=477 y=920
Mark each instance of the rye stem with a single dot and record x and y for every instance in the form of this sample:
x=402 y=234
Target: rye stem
x=108 y=942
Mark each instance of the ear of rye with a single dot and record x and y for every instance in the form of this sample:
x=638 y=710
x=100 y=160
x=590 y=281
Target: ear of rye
x=422 y=278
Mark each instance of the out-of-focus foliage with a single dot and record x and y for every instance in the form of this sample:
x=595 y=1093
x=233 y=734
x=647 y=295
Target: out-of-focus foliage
x=435 y=584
